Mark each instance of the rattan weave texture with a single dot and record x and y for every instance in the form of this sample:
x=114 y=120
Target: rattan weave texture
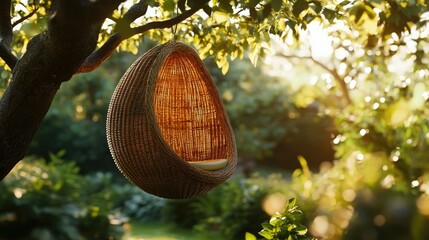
x=164 y=113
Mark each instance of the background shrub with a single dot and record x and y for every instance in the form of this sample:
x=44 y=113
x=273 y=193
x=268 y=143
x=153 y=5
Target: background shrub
x=230 y=210
x=42 y=200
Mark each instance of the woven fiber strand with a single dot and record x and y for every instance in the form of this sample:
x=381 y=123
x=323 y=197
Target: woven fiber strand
x=164 y=113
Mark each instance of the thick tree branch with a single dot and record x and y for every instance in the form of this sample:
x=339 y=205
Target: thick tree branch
x=52 y=58
x=100 y=55
x=7 y=56
x=125 y=31
x=333 y=72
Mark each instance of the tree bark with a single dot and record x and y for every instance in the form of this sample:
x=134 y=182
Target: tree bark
x=52 y=57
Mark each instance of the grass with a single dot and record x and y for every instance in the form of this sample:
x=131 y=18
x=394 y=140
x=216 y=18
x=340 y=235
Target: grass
x=160 y=231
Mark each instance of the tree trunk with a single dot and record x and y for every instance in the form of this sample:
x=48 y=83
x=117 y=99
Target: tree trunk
x=52 y=57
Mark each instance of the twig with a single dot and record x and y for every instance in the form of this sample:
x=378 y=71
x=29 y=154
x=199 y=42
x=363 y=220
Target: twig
x=333 y=72
x=164 y=24
x=5 y=24
x=6 y=34
x=137 y=10
x=7 y=56
x=101 y=54
x=25 y=17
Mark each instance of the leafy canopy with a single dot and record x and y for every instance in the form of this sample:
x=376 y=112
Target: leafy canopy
x=227 y=29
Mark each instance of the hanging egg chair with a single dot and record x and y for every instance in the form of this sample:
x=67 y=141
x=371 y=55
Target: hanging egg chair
x=167 y=128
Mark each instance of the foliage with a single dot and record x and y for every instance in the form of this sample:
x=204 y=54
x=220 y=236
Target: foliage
x=230 y=210
x=140 y=206
x=350 y=199
x=257 y=106
x=285 y=225
x=387 y=214
x=51 y=201
x=227 y=29
x=387 y=83
x=378 y=186
x=265 y=115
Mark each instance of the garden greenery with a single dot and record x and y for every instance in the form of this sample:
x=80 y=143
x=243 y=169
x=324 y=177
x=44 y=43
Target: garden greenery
x=284 y=225
x=50 y=200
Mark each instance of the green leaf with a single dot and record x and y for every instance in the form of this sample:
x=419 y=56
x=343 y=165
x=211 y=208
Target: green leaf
x=301 y=230
x=267 y=226
x=249 y=236
x=344 y=3
x=220 y=17
x=167 y=5
x=356 y=12
x=275 y=221
x=253 y=3
x=329 y=14
x=266 y=11
x=225 y=67
x=194 y=3
x=299 y=7
x=276 y=4
x=182 y=5
x=291 y=203
x=266 y=234
x=151 y=3
x=295 y=213
x=225 y=5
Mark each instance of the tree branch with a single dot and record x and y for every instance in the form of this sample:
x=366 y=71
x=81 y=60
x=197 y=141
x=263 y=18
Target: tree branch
x=5 y=23
x=7 y=56
x=25 y=17
x=6 y=34
x=334 y=74
x=165 y=24
x=125 y=31
x=137 y=10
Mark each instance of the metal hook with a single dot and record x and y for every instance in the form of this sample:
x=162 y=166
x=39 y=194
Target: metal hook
x=174 y=27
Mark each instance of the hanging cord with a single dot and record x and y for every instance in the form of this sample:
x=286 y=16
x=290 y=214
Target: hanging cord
x=174 y=27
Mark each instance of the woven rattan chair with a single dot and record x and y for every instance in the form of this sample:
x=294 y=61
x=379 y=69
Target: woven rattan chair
x=167 y=126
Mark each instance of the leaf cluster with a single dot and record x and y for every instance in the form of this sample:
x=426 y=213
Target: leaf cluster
x=285 y=225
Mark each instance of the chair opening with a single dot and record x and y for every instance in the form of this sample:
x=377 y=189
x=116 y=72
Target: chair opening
x=189 y=120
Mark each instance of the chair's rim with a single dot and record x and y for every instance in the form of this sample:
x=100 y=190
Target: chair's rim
x=202 y=175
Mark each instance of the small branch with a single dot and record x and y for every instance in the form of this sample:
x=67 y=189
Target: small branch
x=7 y=56
x=123 y=24
x=101 y=54
x=137 y=10
x=5 y=23
x=335 y=75
x=164 y=24
x=25 y=17
x=6 y=34
x=113 y=19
